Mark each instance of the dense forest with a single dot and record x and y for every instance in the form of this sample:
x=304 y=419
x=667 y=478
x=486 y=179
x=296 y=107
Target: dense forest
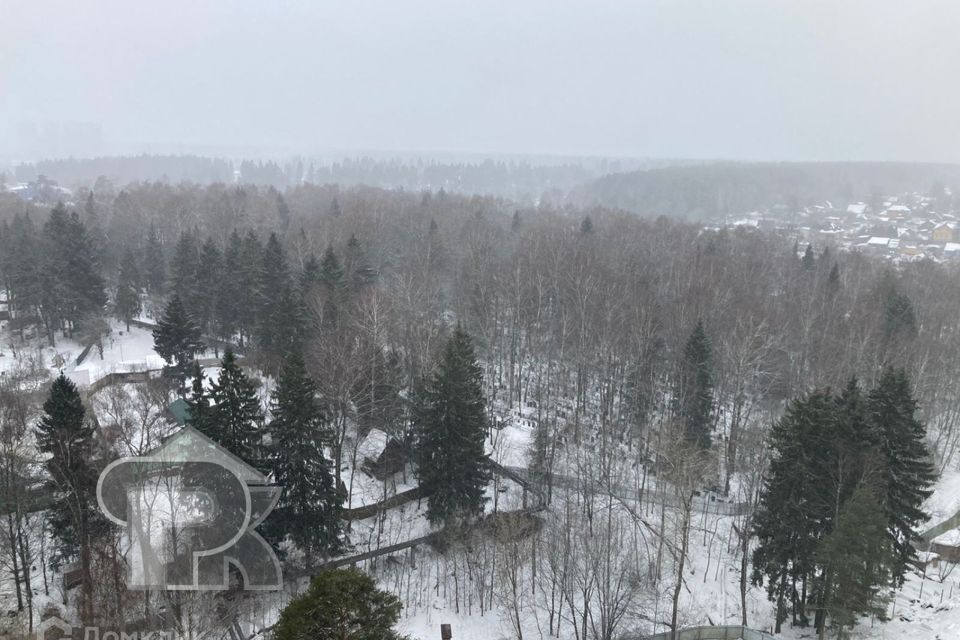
x=519 y=178
x=713 y=190
x=647 y=353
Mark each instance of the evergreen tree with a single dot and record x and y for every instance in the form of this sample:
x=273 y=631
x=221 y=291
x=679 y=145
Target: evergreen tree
x=202 y=412
x=808 y=262
x=67 y=437
x=209 y=280
x=333 y=284
x=185 y=268
x=71 y=287
x=251 y=284
x=275 y=284
x=228 y=302
x=237 y=415
x=177 y=339
x=126 y=300
x=908 y=472
x=450 y=427
x=335 y=208
x=586 y=226
x=24 y=269
x=309 y=275
x=517 y=221
x=289 y=322
x=899 y=317
x=833 y=280
x=794 y=507
x=341 y=604
x=91 y=220
x=283 y=212
x=693 y=396
x=332 y=275
x=857 y=559
x=310 y=507
x=358 y=272
x=154 y=266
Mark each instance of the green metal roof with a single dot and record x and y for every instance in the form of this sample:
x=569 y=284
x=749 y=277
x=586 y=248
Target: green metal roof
x=180 y=410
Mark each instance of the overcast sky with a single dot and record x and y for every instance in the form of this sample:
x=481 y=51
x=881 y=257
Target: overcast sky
x=745 y=79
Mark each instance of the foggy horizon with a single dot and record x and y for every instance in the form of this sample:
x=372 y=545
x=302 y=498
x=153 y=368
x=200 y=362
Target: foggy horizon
x=745 y=80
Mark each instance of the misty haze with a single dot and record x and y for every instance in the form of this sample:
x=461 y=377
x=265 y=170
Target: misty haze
x=587 y=320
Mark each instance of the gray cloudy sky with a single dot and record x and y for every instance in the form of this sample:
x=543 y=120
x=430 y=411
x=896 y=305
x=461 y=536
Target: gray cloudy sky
x=750 y=79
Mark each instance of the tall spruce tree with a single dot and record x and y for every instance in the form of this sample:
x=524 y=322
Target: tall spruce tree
x=67 y=437
x=228 y=306
x=71 y=286
x=794 y=507
x=202 y=412
x=154 y=267
x=177 y=339
x=450 y=425
x=310 y=507
x=908 y=472
x=209 y=281
x=359 y=272
x=275 y=282
x=236 y=415
x=251 y=283
x=184 y=269
x=857 y=559
x=809 y=261
x=126 y=300
x=693 y=394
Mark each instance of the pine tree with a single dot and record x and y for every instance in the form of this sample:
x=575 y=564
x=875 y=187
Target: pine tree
x=228 y=302
x=275 y=283
x=290 y=325
x=24 y=269
x=899 y=316
x=98 y=239
x=65 y=434
x=808 y=262
x=833 y=280
x=857 y=560
x=209 y=279
x=586 y=226
x=154 y=266
x=177 y=339
x=795 y=503
x=333 y=285
x=332 y=275
x=359 y=273
x=310 y=507
x=693 y=396
x=450 y=426
x=309 y=275
x=251 y=284
x=202 y=412
x=126 y=300
x=283 y=212
x=341 y=604
x=71 y=287
x=184 y=269
x=237 y=415
x=908 y=472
